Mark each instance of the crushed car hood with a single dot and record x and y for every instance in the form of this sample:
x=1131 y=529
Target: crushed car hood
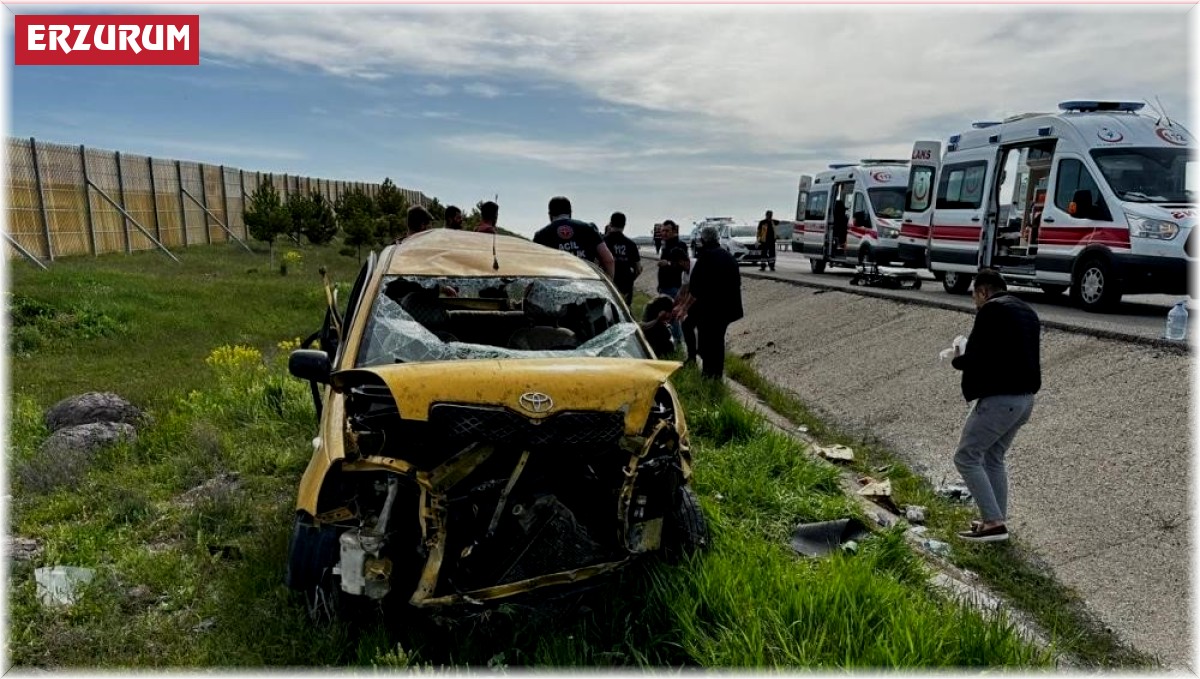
x=535 y=388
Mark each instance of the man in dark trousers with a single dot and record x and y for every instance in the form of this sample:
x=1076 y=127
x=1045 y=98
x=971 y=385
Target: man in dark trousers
x=571 y=235
x=766 y=242
x=627 y=262
x=1001 y=371
x=673 y=264
x=713 y=300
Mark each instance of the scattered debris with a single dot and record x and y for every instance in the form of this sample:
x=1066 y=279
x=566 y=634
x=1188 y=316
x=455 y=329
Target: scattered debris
x=718 y=497
x=918 y=530
x=59 y=585
x=884 y=519
x=914 y=514
x=936 y=547
x=873 y=489
x=803 y=429
x=23 y=549
x=91 y=408
x=838 y=452
x=953 y=491
x=818 y=539
x=851 y=546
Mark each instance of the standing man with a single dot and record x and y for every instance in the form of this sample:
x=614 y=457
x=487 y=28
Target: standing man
x=672 y=265
x=627 y=262
x=766 y=242
x=454 y=218
x=571 y=235
x=1001 y=371
x=657 y=238
x=714 y=300
x=488 y=213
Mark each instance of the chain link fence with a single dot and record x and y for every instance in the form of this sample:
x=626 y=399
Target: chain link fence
x=70 y=200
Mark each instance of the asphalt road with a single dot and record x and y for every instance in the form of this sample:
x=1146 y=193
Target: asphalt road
x=1137 y=315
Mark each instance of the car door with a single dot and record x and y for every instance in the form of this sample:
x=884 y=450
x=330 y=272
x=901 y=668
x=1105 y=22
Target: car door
x=918 y=202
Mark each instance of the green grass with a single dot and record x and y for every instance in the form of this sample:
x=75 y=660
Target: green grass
x=186 y=579
x=1009 y=568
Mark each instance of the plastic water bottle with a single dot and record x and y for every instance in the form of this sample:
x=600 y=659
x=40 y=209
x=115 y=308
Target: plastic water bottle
x=1177 y=321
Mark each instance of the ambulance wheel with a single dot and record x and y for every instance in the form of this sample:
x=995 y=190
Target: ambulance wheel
x=1095 y=287
x=817 y=265
x=1053 y=290
x=956 y=283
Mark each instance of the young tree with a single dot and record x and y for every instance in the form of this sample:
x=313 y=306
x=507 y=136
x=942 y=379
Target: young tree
x=393 y=207
x=321 y=227
x=356 y=216
x=266 y=217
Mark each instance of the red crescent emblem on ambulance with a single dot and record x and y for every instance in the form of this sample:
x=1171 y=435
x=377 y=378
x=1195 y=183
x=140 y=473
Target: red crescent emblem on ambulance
x=1171 y=136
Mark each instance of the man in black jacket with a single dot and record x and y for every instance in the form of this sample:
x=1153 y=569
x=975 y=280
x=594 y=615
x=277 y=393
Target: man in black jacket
x=581 y=239
x=713 y=300
x=1002 y=370
x=627 y=262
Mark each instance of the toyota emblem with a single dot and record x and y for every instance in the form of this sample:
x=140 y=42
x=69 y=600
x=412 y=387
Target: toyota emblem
x=536 y=402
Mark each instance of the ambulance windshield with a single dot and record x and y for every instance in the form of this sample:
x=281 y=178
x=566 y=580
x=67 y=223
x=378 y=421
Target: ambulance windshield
x=1148 y=175
x=888 y=203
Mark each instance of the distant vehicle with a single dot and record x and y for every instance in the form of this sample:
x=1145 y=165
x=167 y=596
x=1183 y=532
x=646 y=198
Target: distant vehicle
x=852 y=214
x=1094 y=198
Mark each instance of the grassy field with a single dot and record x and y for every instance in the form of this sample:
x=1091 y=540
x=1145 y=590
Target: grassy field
x=187 y=526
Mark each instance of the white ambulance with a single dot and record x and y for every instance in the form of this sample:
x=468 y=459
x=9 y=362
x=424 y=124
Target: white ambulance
x=1094 y=199
x=852 y=214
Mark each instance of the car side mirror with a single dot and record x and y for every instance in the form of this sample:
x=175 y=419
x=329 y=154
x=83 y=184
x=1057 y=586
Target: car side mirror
x=311 y=365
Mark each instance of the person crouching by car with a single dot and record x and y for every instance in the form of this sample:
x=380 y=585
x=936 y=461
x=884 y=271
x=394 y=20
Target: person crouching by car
x=714 y=300
x=656 y=325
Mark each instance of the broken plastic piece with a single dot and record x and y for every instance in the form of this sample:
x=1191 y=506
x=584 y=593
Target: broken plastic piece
x=838 y=452
x=59 y=585
x=818 y=539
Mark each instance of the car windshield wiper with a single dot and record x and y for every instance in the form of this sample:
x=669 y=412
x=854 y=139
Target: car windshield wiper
x=1139 y=197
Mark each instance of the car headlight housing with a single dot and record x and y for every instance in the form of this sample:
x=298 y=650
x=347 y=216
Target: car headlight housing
x=889 y=232
x=1144 y=227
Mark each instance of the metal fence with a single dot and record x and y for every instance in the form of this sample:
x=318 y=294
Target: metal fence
x=71 y=200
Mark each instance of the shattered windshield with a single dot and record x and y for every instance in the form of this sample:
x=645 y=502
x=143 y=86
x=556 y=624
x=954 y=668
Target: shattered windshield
x=419 y=318
x=1147 y=175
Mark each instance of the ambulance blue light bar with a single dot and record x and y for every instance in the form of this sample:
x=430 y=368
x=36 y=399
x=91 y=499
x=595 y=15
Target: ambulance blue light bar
x=1088 y=106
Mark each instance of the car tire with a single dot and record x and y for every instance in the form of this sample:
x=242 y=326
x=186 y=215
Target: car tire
x=817 y=265
x=685 y=530
x=1094 y=286
x=313 y=551
x=956 y=283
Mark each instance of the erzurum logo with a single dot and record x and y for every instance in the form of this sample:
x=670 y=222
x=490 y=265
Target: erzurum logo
x=107 y=40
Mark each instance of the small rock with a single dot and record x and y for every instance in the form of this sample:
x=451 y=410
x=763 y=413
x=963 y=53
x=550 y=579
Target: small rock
x=88 y=438
x=877 y=489
x=23 y=549
x=936 y=547
x=914 y=514
x=90 y=408
x=204 y=625
x=213 y=488
x=954 y=491
x=918 y=530
x=838 y=452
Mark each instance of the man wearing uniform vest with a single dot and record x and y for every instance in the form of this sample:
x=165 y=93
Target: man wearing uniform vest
x=571 y=235
x=627 y=260
x=766 y=242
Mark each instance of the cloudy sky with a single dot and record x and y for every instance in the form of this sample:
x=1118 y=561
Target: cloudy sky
x=660 y=111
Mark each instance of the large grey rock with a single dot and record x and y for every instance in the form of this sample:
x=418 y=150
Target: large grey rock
x=90 y=408
x=88 y=438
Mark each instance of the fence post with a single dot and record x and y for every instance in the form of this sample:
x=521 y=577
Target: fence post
x=37 y=178
x=154 y=198
x=87 y=199
x=182 y=212
x=224 y=199
x=242 y=184
x=121 y=195
x=204 y=203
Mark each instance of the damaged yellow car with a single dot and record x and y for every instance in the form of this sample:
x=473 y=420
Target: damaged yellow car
x=492 y=422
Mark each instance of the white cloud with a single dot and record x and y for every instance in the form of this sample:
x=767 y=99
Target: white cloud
x=482 y=90
x=434 y=90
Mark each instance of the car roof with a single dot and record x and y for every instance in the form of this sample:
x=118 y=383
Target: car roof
x=449 y=252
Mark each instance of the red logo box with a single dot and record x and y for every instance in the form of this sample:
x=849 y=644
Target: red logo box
x=107 y=40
